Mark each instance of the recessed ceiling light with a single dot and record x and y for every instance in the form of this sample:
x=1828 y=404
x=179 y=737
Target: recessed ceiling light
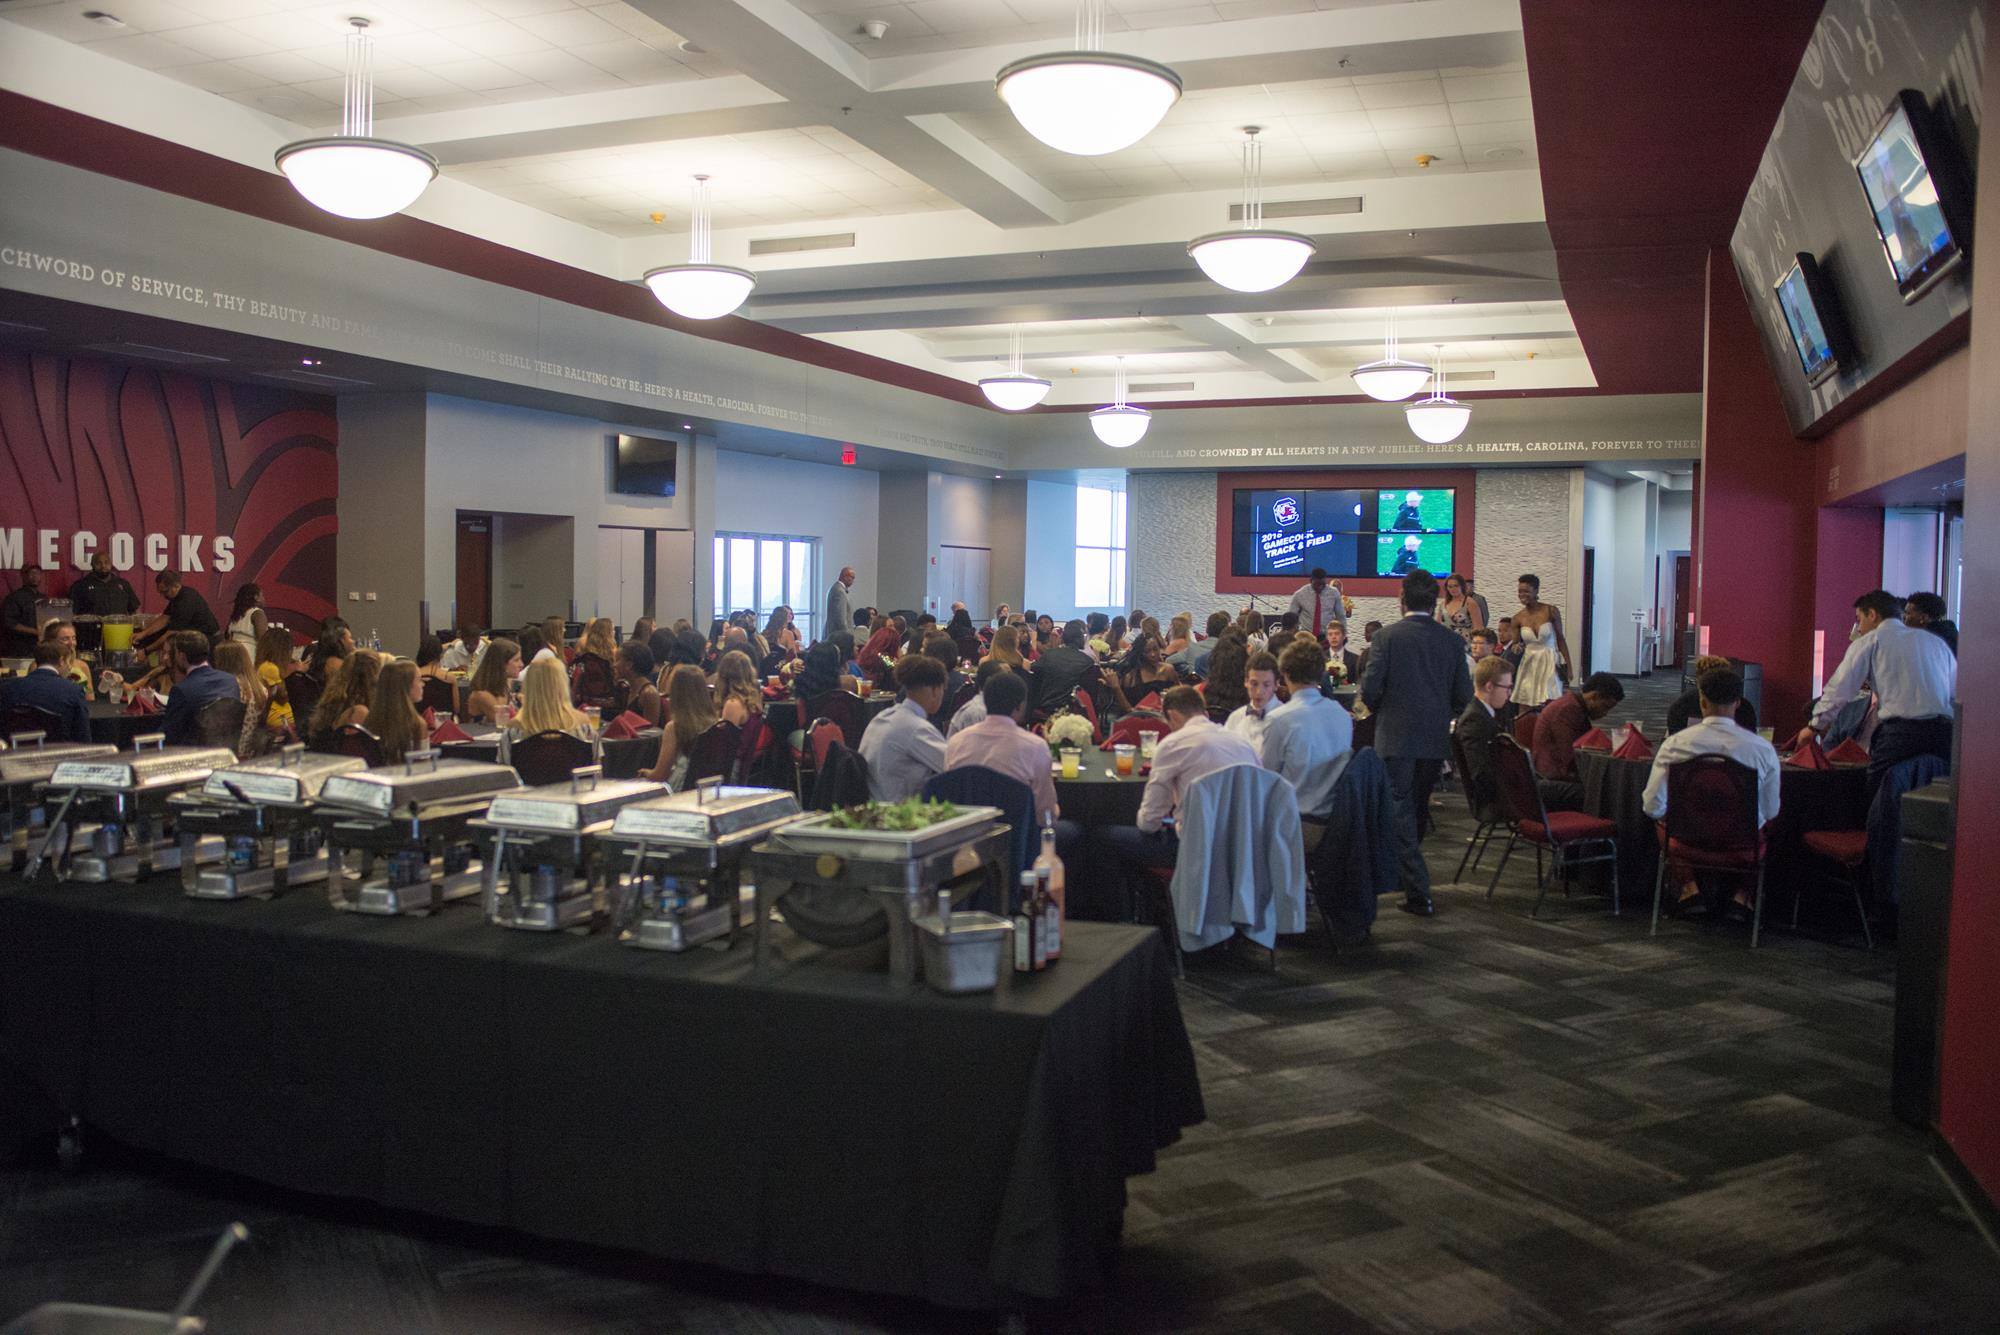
x=1503 y=154
x=692 y=47
x=108 y=20
x=309 y=361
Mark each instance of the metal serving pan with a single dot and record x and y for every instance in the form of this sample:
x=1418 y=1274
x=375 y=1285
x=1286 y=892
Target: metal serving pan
x=34 y=764
x=815 y=834
x=569 y=806
x=291 y=778
x=384 y=792
x=713 y=814
x=160 y=769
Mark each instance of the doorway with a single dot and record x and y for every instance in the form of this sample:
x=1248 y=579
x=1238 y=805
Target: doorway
x=1681 y=615
x=1589 y=626
x=474 y=596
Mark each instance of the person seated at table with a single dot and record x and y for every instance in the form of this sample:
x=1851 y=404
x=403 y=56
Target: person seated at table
x=1479 y=645
x=102 y=592
x=1926 y=611
x=1280 y=641
x=1557 y=728
x=275 y=662
x=430 y=667
x=535 y=646
x=345 y=701
x=488 y=693
x=737 y=695
x=945 y=650
x=545 y=705
x=185 y=610
x=633 y=669
x=820 y=673
x=1507 y=641
x=690 y=713
x=779 y=622
x=963 y=635
x=1047 y=635
x=1719 y=691
x=883 y=638
x=974 y=709
x=45 y=687
x=598 y=639
x=1225 y=692
x=999 y=742
x=1194 y=656
x=1006 y=649
x=1686 y=707
x=1140 y=673
x=1490 y=714
x=331 y=650
x=555 y=634
x=1180 y=634
x=1060 y=671
x=1310 y=738
x=1193 y=747
x=392 y=712
x=1259 y=689
x=902 y=746
x=233 y=657
x=62 y=634
x=784 y=647
x=1343 y=664
x=200 y=683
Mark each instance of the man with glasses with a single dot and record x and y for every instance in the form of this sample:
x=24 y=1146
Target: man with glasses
x=1490 y=714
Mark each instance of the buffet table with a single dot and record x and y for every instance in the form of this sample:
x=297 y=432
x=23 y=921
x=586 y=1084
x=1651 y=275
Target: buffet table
x=814 y=1121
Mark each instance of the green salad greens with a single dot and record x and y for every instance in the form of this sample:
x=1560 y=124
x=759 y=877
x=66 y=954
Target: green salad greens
x=909 y=814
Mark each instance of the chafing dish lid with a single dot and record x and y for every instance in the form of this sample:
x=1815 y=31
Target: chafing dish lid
x=34 y=764
x=708 y=813
x=128 y=771
x=572 y=804
x=291 y=777
x=421 y=779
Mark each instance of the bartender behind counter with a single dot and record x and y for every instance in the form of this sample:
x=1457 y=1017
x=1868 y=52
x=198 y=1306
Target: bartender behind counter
x=102 y=593
x=186 y=610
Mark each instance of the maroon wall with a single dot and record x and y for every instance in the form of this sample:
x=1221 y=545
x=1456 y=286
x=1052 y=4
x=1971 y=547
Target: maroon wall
x=229 y=475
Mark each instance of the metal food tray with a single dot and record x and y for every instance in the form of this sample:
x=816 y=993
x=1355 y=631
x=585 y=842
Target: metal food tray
x=292 y=777
x=34 y=764
x=815 y=835
x=712 y=814
x=142 y=771
x=567 y=806
x=384 y=792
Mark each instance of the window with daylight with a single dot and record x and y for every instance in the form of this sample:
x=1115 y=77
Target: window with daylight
x=760 y=572
x=1100 y=547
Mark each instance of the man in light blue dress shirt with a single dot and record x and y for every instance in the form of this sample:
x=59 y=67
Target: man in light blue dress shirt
x=1310 y=738
x=903 y=747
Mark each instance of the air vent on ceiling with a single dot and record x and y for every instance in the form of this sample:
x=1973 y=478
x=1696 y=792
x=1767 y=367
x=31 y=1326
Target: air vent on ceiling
x=787 y=245
x=1460 y=377
x=146 y=352
x=316 y=379
x=1158 y=386
x=1302 y=208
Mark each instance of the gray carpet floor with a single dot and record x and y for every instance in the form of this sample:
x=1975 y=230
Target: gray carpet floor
x=1481 y=1122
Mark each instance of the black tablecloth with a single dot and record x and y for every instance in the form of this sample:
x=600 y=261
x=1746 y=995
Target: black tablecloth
x=624 y=757
x=1095 y=798
x=110 y=723
x=783 y=715
x=814 y=1121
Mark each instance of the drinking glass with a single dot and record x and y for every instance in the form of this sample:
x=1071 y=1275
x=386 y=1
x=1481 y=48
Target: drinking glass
x=1072 y=762
x=1149 y=742
x=1124 y=759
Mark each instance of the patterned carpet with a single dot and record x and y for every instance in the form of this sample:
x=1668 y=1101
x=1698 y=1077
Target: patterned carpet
x=1482 y=1122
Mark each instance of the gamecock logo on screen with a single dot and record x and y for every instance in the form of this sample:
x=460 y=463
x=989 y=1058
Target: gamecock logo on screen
x=1286 y=510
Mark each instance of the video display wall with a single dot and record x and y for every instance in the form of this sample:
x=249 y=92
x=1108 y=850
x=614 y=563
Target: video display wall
x=1381 y=532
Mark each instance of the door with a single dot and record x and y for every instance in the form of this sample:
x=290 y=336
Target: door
x=621 y=575
x=474 y=602
x=673 y=577
x=962 y=578
x=1581 y=652
x=1683 y=608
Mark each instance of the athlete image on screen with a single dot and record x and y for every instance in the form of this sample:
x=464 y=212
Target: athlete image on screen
x=1410 y=558
x=1408 y=520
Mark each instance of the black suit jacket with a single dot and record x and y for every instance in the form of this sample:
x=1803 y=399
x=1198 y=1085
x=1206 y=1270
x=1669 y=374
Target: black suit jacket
x=1477 y=727
x=1415 y=684
x=42 y=689
x=1058 y=673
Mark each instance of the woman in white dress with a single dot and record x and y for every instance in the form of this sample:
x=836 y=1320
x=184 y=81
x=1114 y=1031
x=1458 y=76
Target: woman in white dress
x=247 y=622
x=1535 y=681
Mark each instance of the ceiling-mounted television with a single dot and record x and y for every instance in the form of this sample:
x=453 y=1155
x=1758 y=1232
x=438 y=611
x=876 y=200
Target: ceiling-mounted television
x=1813 y=315
x=643 y=466
x=1917 y=194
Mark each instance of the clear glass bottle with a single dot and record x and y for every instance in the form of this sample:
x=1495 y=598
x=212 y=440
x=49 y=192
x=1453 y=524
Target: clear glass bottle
x=1049 y=868
x=1027 y=926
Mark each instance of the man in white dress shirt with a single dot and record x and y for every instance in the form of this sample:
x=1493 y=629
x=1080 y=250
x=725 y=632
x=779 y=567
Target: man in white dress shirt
x=1915 y=676
x=1318 y=602
x=1308 y=739
x=1260 y=680
x=1718 y=734
x=902 y=746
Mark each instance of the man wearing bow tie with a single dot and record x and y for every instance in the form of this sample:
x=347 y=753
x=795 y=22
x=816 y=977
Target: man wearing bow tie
x=1260 y=679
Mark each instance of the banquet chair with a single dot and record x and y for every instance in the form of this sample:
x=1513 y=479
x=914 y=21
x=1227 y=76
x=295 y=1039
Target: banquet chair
x=845 y=709
x=716 y=754
x=220 y=723
x=355 y=740
x=1524 y=726
x=965 y=696
x=1485 y=808
x=1572 y=838
x=550 y=756
x=1125 y=732
x=440 y=696
x=1088 y=708
x=28 y=718
x=1232 y=822
x=978 y=786
x=1846 y=850
x=1711 y=825
x=753 y=755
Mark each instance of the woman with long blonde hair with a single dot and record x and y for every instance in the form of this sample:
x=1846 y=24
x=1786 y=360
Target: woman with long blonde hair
x=1181 y=634
x=393 y=716
x=347 y=697
x=598 y=639
x=693 y=713
x=233 y=657
x=545 y=705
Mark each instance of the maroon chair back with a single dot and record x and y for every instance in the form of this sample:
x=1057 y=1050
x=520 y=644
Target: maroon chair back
x=1524 y=726
x=27 y=718
x=550 y=756
x=756 y=745
x=715 y=754
x=1514 y=783
x=1126 y=731
x=845 y=709
x=1480 y=800
x=303 y=690
x=1088 y=708
x=355 y=740
x=440 y=696
x=592 y=682
x=823 y=734
x=1712 y=806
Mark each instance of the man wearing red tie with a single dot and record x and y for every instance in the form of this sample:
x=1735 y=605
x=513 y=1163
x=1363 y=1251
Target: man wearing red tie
x=1318 y=603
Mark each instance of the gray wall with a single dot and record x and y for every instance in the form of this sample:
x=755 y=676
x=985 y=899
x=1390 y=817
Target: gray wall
x=534 y=568
x=380 y=508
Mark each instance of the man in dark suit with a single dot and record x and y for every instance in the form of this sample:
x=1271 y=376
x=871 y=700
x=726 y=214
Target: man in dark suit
x=1415 y=683
x=1340 y=656
x=1490 y=715
x=199 y=684
x=45 y=687
x=1061 y=669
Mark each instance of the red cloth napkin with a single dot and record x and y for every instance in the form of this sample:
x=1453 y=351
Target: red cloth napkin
x=430 y=718
x=1849 y=752
x=1594 y=740
x=628 y=724
x=1634 y=747
x=1150 y=701
x=1810 y=756
x=141 y=704
x=775 y=692
x=449 y=731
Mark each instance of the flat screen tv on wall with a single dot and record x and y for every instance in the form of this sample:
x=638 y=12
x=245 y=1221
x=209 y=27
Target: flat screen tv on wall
x=1813 y=315
x=643 y=466
x=1917 y=196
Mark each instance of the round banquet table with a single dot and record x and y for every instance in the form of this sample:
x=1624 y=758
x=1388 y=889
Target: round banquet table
x=1097 y=796
x=110 y=723
x=1827 y=799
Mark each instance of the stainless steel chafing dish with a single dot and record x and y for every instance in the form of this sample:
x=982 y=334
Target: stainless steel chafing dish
x=128 y=793
x=544 y=871
x=24 y=809
x=680 y=879
x=399 y=839
x=261 y=810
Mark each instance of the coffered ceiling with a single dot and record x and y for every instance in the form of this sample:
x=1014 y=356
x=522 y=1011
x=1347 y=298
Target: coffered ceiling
x=891 y=204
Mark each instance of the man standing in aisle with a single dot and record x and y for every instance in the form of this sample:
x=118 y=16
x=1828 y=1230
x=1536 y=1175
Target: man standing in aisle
x=1415 y=683
x=1915 y=675
x=1317 y=603
x=839 y=609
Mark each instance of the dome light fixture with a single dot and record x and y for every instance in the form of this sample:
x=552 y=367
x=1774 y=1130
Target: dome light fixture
x=1392 y=379
x=1253 y=257
x=699 y=289
x=1088 y=101
x=1437 y=418
x=353 y=174
x=1120 y=425
x=1015 y=391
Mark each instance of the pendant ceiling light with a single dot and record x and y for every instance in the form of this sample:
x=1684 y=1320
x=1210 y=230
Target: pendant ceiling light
x=1438 y=418
x=1252 y=258
x=1017 y=390
x=699 y=290
x=353 y=174
x=1120 y=424
x=1088 y=101
x=1392 y=379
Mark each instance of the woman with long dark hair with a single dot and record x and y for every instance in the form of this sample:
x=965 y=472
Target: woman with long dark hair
x=247 y=622
x=1224 y=690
